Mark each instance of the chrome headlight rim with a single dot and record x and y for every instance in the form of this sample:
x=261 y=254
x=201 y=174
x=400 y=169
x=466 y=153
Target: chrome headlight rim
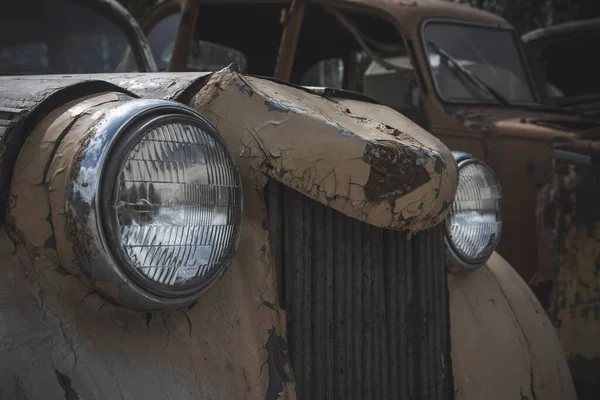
x=87 y=217
x=453 y=256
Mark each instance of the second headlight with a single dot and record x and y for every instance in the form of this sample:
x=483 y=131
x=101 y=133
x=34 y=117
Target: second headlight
x=474 y=225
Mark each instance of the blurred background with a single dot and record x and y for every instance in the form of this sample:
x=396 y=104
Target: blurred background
x=525 y=15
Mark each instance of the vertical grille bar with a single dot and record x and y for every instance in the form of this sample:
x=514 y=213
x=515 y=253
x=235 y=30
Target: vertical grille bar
x=367 y=308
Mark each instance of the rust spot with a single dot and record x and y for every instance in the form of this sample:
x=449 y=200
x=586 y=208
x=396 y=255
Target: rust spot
x=395 y=170
x=277 y=360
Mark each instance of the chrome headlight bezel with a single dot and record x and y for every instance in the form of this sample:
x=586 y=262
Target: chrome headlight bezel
x=89 y=223
x=453 y=257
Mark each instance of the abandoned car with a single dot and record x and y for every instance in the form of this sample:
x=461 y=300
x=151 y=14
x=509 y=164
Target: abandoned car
x=218 y=235
x=459 y=72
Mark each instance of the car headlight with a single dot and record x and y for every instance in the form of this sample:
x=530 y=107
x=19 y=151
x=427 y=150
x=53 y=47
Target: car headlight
x=156 y=193
x=474 y=224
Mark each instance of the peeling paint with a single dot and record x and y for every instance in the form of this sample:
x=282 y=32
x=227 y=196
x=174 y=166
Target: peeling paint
x=247 y=90
x=282 y=106
x=65 y=383
x=67 y=325
x=278 y=364
x=305 y=151
x=394 y=171
x=343 y=131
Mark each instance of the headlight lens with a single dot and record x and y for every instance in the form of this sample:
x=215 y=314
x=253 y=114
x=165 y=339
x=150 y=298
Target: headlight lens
x=175 y=205
x=153 y=204
x=474 y=225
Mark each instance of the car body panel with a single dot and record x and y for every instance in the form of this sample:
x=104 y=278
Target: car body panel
x=408 y=186
x=495 y=316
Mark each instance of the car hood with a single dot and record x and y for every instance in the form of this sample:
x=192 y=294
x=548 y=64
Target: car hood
x=360 y=158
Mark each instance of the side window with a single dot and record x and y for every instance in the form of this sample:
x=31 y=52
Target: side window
x=326 y=73
x=357 y=52
x=205 y=56
x=63 y=37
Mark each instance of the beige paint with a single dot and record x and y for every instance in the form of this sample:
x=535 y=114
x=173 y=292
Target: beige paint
x=503 y=344
x=215 y=350
x=325 y=160
x=51 y=319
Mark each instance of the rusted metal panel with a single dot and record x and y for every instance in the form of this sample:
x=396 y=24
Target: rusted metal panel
x=367 y=308
x=575 y=305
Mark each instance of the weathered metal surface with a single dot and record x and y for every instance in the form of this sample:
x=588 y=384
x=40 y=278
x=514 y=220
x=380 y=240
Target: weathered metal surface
x=23 y=103
x=575 y=300
x=503 y=343
x=67 y=340
x=367 y=308
x=25 y=100
x=364 y=160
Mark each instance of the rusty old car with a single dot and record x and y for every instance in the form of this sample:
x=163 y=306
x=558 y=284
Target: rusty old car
x=219 y=235
x=459 y=72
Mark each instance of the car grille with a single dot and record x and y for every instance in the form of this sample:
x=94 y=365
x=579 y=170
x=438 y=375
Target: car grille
x=367 y=308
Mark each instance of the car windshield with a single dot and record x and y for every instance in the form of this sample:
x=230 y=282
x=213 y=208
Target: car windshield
x=60 y=37
x=476 y=64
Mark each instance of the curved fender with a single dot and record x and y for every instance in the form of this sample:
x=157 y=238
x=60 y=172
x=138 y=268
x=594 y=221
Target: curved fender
x=503 y=344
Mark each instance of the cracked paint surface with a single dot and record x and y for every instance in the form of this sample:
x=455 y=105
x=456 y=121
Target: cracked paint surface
x=364 y=160
x=60 y=337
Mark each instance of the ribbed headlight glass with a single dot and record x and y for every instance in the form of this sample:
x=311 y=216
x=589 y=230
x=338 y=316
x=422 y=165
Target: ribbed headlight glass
x=474 y=225
x=175 y=206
